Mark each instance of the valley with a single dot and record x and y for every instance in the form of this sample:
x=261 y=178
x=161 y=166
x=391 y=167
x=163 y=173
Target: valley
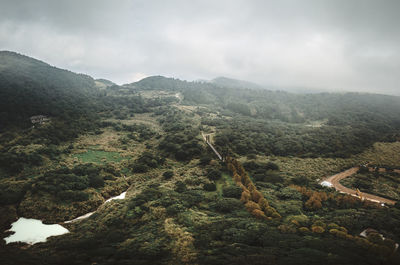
x=184 y=205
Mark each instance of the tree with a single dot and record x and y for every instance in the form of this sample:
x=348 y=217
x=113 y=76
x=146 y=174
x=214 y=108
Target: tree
x=168 y=174
x=314 y=202
x=214 y=174
x=210 y=186
x=232 y=192
x=317 y=229
x=246 y=196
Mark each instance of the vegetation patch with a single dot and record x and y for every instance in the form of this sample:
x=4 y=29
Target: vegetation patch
x=99 y=156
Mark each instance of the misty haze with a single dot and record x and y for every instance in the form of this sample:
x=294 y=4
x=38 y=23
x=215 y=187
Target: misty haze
x=200 y=132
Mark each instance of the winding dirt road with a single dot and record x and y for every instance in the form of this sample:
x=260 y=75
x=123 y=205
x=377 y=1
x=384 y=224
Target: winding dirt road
x=335 y=181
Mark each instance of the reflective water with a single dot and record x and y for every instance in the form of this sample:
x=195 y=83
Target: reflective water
x=33 y=231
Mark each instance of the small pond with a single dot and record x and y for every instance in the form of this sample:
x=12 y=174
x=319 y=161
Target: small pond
x=32 y=231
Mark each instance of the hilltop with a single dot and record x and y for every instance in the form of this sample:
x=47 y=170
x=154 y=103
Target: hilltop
x=31 y=87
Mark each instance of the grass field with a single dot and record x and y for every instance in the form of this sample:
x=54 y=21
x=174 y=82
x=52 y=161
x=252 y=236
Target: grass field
x=98 y=156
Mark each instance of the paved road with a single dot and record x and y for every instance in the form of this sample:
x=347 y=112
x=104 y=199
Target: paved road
x=335 y=180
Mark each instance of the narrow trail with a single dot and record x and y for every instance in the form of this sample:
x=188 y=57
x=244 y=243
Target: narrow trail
x=206 y=138
x=335 y=181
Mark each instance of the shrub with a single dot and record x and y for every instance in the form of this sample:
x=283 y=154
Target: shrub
x=180 y=186
x=210 y=186
x=289 y=193
x=96 y=181
x=273 y=178
x=302 y=180
x=272 y=166
x=227 y=205
x=140 y=168
x=304 y=230
x=214 y=174
x=232 y=192
x=75 y=196
x=205 y=160
x=168 y=174
x=317 y=229
x=175 y=209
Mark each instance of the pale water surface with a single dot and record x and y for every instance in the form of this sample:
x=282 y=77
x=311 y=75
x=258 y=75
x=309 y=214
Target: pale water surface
x=32 y=231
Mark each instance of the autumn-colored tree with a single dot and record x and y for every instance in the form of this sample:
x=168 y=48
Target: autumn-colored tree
x=242 y=186
x=256 y=196
x=237 y=178
x=269 y=211
x=231 y=168
x=258 y=214
x=313 y=203
x=251 y=206
x=295 y=222
x=240 y=169
x=235 y=163
x=253 y=199
x=246 y=180
x=263 y=204
x=246 y=196
x=317 y=229
x=323 y=196
x=251 y=186
x=347 y=201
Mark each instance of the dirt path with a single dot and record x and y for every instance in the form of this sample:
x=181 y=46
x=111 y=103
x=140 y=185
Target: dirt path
x=335 y=181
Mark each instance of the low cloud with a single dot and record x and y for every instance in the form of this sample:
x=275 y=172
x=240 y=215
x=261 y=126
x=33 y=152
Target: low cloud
x=340 y=45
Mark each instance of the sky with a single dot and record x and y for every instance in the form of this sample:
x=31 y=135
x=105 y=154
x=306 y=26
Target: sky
x=344 y=45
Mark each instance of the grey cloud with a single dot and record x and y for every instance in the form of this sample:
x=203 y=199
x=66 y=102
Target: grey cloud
x=345 y=45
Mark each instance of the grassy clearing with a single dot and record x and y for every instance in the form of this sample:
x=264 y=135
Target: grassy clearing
x=108 y=140
x=98 y=156
x=225 y=180
x=140 y=118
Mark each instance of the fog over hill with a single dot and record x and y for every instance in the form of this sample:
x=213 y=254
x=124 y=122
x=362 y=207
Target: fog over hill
x=335 y=45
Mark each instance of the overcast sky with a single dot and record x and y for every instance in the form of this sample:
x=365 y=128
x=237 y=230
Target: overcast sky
x=345 y=45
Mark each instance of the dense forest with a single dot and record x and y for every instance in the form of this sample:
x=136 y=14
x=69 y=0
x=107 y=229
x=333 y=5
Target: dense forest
x=262 y=205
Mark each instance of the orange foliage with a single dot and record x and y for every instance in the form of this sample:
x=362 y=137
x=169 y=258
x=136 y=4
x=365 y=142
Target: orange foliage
x=263 y=204
x=246 y=196
x=256 y=196
x=314 y=203
x=258 y=214
x=250 y=206
x=231 y=168
x=237 y=178
x=254 y=200
x=317 y=229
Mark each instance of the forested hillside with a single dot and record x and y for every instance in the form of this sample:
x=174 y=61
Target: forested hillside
x=280 y=123
x=181 y=204
x=31 y=87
